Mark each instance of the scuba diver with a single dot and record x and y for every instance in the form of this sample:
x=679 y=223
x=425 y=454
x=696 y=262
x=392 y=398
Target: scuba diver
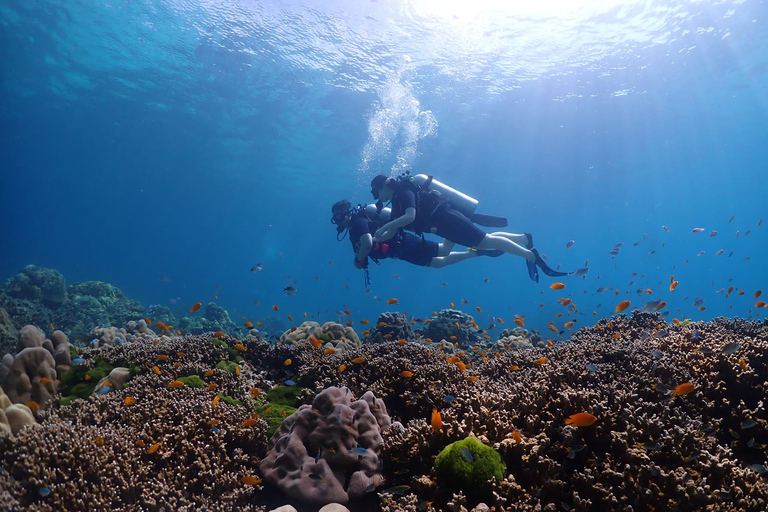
x=361 y=223
x=424 y=205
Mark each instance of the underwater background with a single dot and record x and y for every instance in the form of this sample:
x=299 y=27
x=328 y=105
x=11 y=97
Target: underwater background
x=167 y=147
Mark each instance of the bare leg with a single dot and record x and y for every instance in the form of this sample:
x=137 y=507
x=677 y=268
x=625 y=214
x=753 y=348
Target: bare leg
x=502 y=243
x=521 y=239
x=445 y=247
x=451 y=258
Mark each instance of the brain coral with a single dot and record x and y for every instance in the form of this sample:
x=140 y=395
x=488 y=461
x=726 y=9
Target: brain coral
x=316 y=455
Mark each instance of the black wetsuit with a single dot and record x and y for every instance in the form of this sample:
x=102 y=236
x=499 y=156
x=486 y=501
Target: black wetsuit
x=403 y=246
x=434 y=215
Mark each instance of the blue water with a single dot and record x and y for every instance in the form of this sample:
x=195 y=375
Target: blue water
x=193 y=140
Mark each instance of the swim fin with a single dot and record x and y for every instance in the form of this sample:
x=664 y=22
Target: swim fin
x=533 y=272
x=529 y=245
x=544 y=267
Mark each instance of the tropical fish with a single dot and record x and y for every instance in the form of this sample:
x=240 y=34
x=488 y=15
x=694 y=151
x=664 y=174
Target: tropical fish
x=712 y=233
x=621 y=306
x=684 y=389
x=153 y=448
x=731 y=348
x=358 y=360
x=195 y=307
x=697 y=230
x=541 y=360
x=359 y=451
x=580 y=272
x=257 y=268
x=557 y=286
x=290 y=290
x=342 y=367
x=275 y=308
x=251 y=480
x=437 y=420
x=176 y=384
x=392 y=301
x=248 y=325
x=569 y=244
x=466 y=454
x=215 y=401
x=406 y=373
x=287 y=362
x=249 y=422
x=582 y=419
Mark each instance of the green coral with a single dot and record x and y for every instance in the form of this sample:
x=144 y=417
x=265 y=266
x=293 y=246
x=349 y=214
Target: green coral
x=687 y=321
x=228 y=366
x=455 y=469
x=193 y=381
x=284 y=395
x=218 y=342
x=229 y=400
x=274 y=414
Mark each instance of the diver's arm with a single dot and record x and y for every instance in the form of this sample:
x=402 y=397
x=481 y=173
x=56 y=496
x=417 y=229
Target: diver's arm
x=389 y=229
x=366 y=244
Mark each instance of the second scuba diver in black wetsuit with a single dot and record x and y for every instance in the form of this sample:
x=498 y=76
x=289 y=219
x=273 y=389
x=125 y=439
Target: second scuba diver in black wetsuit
x=423 y=211
x=403 y=245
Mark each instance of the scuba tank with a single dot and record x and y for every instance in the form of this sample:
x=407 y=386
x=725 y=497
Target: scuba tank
x=460 y=201
x=385 y=213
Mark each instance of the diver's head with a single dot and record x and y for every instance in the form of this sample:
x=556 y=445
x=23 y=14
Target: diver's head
x=382 y=188
x=340 y=214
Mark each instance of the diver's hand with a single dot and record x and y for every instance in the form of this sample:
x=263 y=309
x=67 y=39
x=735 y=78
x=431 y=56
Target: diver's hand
x=361 y=264
x=383 y=234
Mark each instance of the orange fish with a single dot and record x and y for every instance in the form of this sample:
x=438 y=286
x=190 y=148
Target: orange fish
x=176 y=384
x=348 y=323
x=514 y=368
x=541 y=360
x=153 y=448
x=162 y=357
x=702 y=308
x=392 y=301
x=129 y=400
x=759 y=304
x=564 y=302
x=248 y=325
x=743 y=364
x=382 y=324
x=662 y=305
x=437 y=421
x=214 y=422
x=621 y=306
x=209 y=373
x=241 y=347
x=342 y=367
x=290 y=318
x=212 y=386
x=684 y=389
x=251 y=480
x=757 y=294
x=582 y=419
x=330 y=351
x=406 y=373
x=673 y=285
x=478 y=308
x=452 y=304
x=259 y=324
x=557 y=286
x=516 y=436
x=454 y=359
x=249 y=422
x=161 y=326
x=275 y=308
x=99 y=440
x=181 y=354
x=255 y=392
x=458 y=326
x=195 y=307
x=500 y=320
x=520 y=322
x=33 y=405
x=388 y=336
x=616 y=336
x=568 y=324
x=358 y=360
x=315 y=342
x=45 y=380
x=215 y=401
x=461 y=366
x=156 y=370
x=87 y=376
x=676 y=321
x=148 y=321
x=364 y=322
x=473 y=378
x=141 y=443
x=287 y=362
x=401 y=341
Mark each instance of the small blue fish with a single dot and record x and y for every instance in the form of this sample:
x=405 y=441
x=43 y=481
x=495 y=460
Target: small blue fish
x=644 y=336
x=78 y=360
x=665 y=314
x=580 y=272
x=657 y=354
x=466 y=454
x=569 y=244
x=591 y=367
x=651 y=305
x=105 y=389
x=603 y=289
x=698 y=302
x=696 y=335
x=290 y=383
x=44 y=492
x=614 y=252
x=358 y=451
x=662 y=333
x=449 y=398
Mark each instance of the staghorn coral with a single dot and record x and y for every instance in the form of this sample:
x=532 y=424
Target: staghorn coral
x=311 y=456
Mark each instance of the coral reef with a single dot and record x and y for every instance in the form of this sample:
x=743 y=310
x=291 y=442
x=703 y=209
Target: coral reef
x=327 y=452
x=38 y=284
x=468 y=465
x=331 y=335
x=443 y=326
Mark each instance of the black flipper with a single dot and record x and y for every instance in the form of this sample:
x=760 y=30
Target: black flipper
x=544 y=267
x=489 y=221
x=529 y=245
x=533 y=272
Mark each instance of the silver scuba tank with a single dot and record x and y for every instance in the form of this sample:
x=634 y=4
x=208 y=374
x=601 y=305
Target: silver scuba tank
x=386 y=213
x=458 y=200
